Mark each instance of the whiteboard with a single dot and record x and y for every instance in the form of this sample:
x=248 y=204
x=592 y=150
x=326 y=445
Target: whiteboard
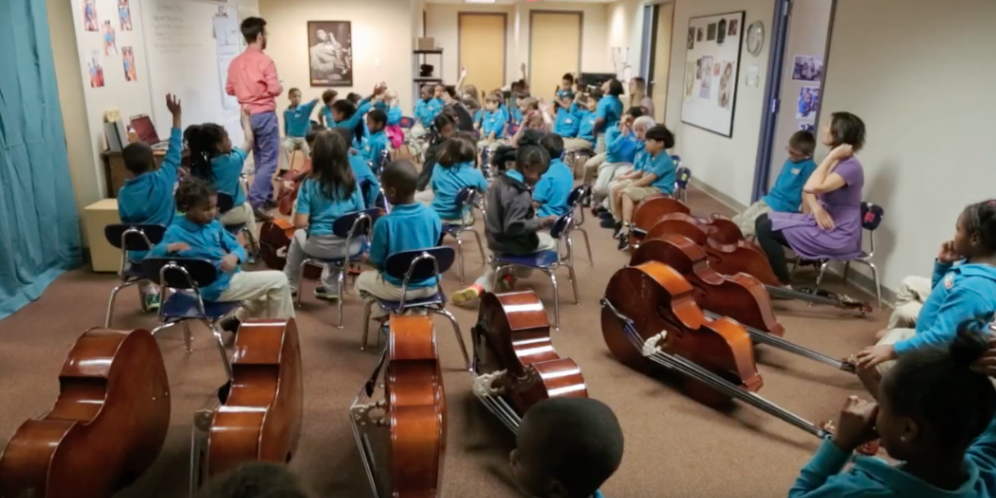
x=712 y=66
x=189 y=45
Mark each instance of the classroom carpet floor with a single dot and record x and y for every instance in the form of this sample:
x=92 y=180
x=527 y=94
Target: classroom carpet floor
x=675 y=447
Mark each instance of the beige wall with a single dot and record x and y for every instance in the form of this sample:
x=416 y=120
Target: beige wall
x=442 y=24
x=82 y=169
x=725 y=164
x=920 y=74
x=382 y=42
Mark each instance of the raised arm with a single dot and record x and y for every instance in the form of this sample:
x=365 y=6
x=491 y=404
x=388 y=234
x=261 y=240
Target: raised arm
x=174 y=153
x=463 y=76
x=823 y=178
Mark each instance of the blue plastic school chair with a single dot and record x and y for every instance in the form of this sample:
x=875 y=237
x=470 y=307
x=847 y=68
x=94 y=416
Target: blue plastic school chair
x=871 y=217
x=418 y=265
x=466 y=199
x=545 y=261
x=180 y=280
x=350 y=226
x=683 y=176
x=225 y=204
x=574 y=204
x=130 y=237
x=406 y=123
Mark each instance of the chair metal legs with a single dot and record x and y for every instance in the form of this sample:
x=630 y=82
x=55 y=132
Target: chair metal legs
x=847 y=269
x=456 y=330
x=253 y=245
x=587 y=244
x=480 y=246
x=556 y=298
x=110 y=302
x=460 y=256
x=188 y=339
x=341 y=279
x=366 y=324
x=221 y=347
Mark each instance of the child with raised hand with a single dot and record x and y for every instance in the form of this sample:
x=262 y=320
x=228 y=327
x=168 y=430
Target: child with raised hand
x=329 y=192
x=554 y=187
x=214 y=160
x=297 y=121
x=566 y=448
x=409 y=226
x=454 y=172
x=325 y=115
x=934 y=415
x=964 y=287
x=584 y=113
x=511 y=225
x=786 y=195
x=349 y=115
x=199 y=234
x=147 y=195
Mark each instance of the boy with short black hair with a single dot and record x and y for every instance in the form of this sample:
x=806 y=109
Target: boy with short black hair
x=510 y=224
x=566 y=90
x=566 y=448
x=147 y=195
x=328 y=98
x=786 y=195
x=493 y=122
x=409 y=226
x=655 y=175
x=375 y=145
x=297 y=121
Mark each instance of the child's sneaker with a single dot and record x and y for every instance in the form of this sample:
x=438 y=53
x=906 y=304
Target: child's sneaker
x=507 y=282
x=467 y=295
x=151 y=300
x=326 y=294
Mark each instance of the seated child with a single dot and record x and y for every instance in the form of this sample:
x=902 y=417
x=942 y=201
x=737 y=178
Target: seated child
x=511 y=225
x=565 y=122
x=934 y=416
x=454 y=172
x=912 y=292
x=349 y=115
x=584 y=112
x=608 y=111
x=199 y=234
x=254 y=480
x=554 y=187
x=329 y=192
x=655 y=176
x=214 y=160
x=786 y=195
x=566 y=88
x=376 y=144
x=325 y=115
x=146 y=197
x=426 y=110
x=297 y=121
x=366 y=179
x=566 y=448
x=443 y=128
x=409 y=226
x=391 y=105
x=609 y=174
x=620 y=149
x=492 y=123
x=964 y=286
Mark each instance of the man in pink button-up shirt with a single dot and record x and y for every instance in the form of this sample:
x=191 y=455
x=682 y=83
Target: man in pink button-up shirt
x=252 y=78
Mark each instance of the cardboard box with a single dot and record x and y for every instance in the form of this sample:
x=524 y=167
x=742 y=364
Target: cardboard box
x=425 y=44
x=103 y=256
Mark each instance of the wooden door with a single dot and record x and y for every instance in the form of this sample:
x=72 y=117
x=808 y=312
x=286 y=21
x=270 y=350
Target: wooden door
x=482 y=49
x=554 y=49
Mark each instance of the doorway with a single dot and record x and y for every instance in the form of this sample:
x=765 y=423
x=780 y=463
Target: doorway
x=482 y=44
x=655 y=54
x=554 y=49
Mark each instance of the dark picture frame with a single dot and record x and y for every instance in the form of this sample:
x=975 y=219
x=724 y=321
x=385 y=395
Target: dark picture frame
x=330 y=53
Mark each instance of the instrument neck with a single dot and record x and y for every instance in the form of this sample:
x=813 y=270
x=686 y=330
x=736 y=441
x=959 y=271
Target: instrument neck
x=802 y=296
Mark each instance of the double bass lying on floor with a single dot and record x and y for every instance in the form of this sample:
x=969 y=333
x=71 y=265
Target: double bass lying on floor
x=515 y=365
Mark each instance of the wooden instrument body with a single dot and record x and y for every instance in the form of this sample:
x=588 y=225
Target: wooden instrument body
x=416 y=407
x=274 y=239
x=659 y=300
x=518 y=335
x=106 y=428
x=741 y=297
x=649 y=213
x=261 y=419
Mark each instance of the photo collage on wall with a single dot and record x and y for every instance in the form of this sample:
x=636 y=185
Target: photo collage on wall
x=807 y=69
x=105 y=46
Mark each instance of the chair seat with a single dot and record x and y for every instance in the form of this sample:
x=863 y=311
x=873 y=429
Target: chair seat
x=541 y=259
x=364 y=247
x=395 y=306
x=455 y=227
x=183 y=305
x=235 y=229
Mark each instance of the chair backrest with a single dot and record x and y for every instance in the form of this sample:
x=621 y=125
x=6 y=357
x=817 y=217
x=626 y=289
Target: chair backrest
x=133 y=236
x=871 y=215
x=563 y=225
x=343 y=226
x=465 y=197
x=407 y=122
x=576 y=195
x=180 y=273
x=683 y=177
x=420 y=264
x=677 y=160
x=225 y=202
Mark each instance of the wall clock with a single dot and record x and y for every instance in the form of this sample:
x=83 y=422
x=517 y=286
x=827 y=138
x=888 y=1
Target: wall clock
x=755 y=37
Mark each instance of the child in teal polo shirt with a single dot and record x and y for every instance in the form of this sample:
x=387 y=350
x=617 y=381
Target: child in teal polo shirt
x=409 y=226
x=214 y=160
x=297 y=122
x=584 y=114
x=147 y=195
x=454 y=172
x=366 y=179
x=566 y=448
x=493 y=123
x=655 y=176
x=786 y=195
x=375 y=145
x=554 y=187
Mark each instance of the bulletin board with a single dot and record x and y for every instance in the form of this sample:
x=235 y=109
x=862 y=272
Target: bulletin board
x=712 y=68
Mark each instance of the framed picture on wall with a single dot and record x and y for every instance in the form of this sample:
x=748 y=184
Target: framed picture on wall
x=330 y=53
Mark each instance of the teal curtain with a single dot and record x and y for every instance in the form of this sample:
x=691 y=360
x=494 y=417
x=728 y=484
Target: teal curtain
x=39 y=225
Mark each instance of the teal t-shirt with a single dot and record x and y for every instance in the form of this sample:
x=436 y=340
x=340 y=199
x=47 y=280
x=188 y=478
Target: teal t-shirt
x=323 y=209
x=226 y=173
x=663 y=166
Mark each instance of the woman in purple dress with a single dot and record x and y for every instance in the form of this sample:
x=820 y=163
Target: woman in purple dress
x=832 y=196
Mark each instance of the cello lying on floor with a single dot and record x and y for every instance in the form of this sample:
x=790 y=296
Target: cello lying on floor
x=650 y=318
x=741 y=297
x=261 y=418
x=655 y=207
x=106 y=428
x=740 y=256
x=515 y=365
x=414 y=407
